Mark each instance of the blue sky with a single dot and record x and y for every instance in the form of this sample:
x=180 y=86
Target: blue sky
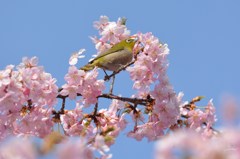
x=203 y=37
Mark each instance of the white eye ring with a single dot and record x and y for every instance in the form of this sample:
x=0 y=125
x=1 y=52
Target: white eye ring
x=128 y=40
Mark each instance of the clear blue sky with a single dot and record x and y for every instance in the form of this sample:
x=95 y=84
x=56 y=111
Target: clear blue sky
x=203 y=37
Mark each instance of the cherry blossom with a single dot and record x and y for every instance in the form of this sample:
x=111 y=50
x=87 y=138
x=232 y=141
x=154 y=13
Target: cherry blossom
x=75 y=56
x=149 y=70
x=110 y=124
x=18 y=148
x=5 y=76
x=28 y=106
x=38 y=85
x=74 y=148
x=27 y=97
x=101 y=147
x=110 y=32
x=201 y=120
x=190 y=144
x=75 y=124
x=37 y=122
x=84 y=83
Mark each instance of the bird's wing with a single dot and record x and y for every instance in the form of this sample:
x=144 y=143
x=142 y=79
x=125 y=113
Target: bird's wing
x=109 y=51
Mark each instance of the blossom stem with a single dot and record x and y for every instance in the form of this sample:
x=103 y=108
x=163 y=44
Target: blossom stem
x=63 y=105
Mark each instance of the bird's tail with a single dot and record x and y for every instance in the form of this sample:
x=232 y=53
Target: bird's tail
x=88 y=67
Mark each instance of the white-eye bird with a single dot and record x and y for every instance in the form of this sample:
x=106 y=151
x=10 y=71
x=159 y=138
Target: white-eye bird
x=114 y=58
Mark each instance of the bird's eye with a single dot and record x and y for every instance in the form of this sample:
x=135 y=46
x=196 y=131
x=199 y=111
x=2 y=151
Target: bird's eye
x=128 y=40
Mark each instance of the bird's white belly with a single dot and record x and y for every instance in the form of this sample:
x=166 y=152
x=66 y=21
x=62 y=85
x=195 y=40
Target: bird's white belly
x=116 y=60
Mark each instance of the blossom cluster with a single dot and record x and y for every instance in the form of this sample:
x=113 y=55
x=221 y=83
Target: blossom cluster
x=27 y=97
x=111 y=33
x=190 y=144
x=149 y=71
x=104 y=122
x=84 y=83
x=200 y=120
x=71 y=148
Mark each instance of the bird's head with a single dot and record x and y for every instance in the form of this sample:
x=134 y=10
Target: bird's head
x=130 y=42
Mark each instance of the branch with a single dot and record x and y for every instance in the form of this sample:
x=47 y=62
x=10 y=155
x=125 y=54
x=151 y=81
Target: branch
x=63 y=105
x=135 y=101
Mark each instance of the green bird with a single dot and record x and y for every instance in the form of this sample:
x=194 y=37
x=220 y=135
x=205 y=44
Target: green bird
x=114 y=58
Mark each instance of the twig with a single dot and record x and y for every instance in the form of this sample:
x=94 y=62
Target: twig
x=95 y=109
x=212 y=128
x=135 y=101
x=61 y=96
x=63 y=105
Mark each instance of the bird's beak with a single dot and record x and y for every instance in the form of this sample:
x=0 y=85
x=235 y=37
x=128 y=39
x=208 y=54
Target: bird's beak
x=135 y=38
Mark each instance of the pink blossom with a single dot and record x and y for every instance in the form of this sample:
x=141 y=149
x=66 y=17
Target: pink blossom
x=6 y=127
x=39 y=85
x=74 y=148
x=100 y=145
x=70 y=91
x=75 y=56
x=74 y=124
x=167 y=104
x=74 y=79
x=151 y=130
x=201 y=120
x=92 y=87
x=110 y=32
x=37 y=122
x=100 y=45
x=28 y=63
x=99 y=25
x=110 y=122
x=5 y=76
x=190 y=144
x=84 y=83
x=195 y=118
x=115 y=106
x=151 y=63
x=18 y=148
x=31 y=91
x=149 y=71
x=210 y=113
x=74 y=76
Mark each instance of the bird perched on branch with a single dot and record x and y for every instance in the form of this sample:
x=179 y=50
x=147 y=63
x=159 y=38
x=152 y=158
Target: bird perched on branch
x=114 y=58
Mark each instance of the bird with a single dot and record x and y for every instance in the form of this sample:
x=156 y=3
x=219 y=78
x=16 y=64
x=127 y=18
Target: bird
x=115 y=57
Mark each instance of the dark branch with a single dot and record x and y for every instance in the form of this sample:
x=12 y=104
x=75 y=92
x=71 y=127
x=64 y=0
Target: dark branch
x=63 y=105
x=135 y=101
